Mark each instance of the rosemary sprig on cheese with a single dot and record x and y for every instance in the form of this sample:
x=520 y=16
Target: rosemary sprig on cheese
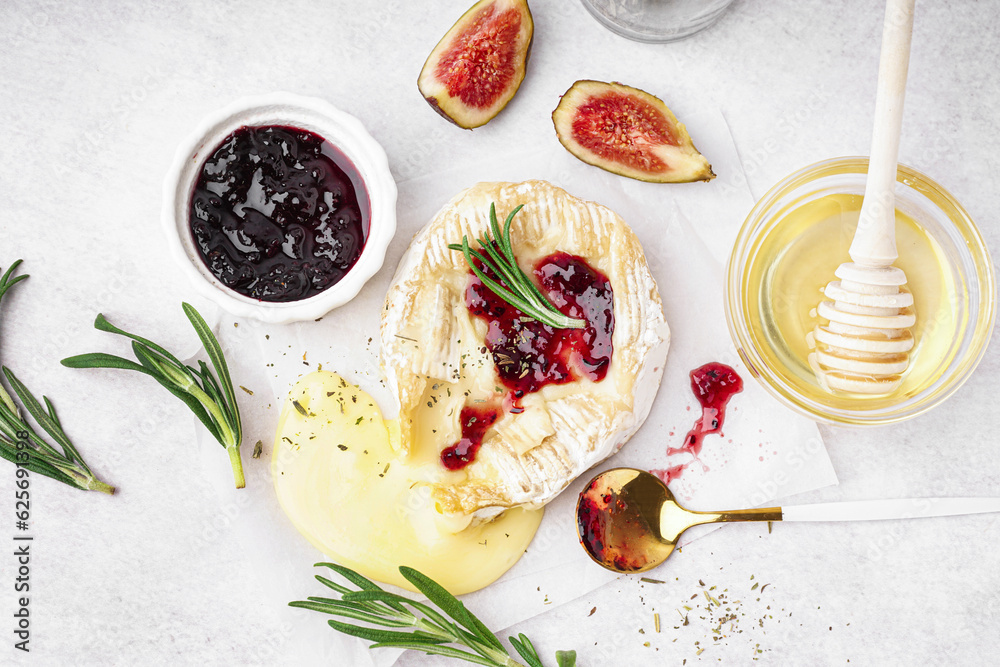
x=209 y=396
x=517 y=288
x=420 y=626
x=22 y=445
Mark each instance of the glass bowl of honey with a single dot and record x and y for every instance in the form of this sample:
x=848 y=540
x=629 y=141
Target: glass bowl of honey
x=788 y=250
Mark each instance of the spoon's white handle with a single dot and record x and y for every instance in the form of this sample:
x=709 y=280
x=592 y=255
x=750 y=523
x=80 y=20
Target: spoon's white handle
x=875 y=240
x=877 y=510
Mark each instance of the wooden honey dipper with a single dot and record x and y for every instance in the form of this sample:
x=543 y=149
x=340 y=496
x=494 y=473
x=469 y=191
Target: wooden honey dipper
x=864 y=348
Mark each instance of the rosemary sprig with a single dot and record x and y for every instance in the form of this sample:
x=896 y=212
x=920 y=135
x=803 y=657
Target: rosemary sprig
x=6 y=282
x=210 y=397
x=21 y=444
x=419 y=626
x=518 y=289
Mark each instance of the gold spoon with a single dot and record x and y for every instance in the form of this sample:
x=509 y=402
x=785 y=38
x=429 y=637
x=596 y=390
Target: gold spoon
x=628 y=520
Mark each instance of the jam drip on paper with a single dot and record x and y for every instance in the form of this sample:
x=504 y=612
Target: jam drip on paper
x=713 y=385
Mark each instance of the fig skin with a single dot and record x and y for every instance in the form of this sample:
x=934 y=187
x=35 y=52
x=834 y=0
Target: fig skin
x=448 y=102
x=609 y=116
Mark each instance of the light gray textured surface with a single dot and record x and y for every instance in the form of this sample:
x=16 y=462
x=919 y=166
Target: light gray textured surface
x=96 y=95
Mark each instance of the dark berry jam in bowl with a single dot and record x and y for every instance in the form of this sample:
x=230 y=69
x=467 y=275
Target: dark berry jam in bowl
x=278 y=213
x=280 y=207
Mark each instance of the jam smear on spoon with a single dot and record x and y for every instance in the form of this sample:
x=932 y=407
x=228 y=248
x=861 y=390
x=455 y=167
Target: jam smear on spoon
x=618 y=520
x=598 y=513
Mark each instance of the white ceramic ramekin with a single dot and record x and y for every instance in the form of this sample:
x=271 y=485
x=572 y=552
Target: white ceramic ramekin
x=317 y=116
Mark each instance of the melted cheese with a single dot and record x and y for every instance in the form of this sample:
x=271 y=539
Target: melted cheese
x=350 y=489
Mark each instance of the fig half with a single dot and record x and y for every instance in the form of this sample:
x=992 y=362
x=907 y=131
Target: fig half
x=628 y=132
x=479 y=64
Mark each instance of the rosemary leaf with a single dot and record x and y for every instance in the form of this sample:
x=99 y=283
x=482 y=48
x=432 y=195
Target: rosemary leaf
x=384 y=637
x=401 y=617
x=43 y=419
x=525 y=649
x=510 y=297
x=517 y=289
x=101 y=360
x=330 y=584
x=208 y=382
x=7 y=402
x=436 y=619
x=351 y=611
x=566 y=658
x=101 y=324
x=210 y=398
x=51 y=409
x=356 y=579
x=451 y=605
x=42 y=469
x=151 y=368
x=214 y=351
x=6 y=283
x=446 y=651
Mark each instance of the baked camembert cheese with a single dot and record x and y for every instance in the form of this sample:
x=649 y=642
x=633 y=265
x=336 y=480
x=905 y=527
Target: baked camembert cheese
x=551 y=419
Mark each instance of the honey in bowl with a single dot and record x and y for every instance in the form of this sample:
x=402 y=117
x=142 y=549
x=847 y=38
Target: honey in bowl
x=794 y=264
x=790 y=246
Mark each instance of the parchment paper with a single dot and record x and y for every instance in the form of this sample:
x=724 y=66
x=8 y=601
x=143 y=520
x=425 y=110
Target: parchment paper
x=766 y=451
